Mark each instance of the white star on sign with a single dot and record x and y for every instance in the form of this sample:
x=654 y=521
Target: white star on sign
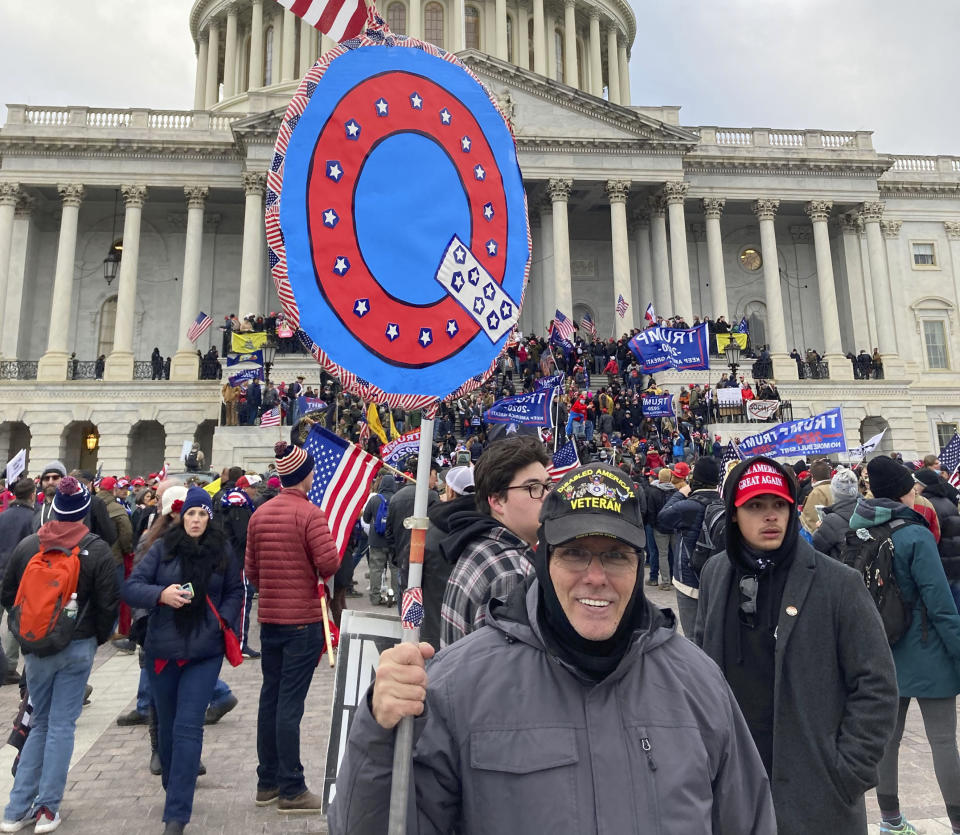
x=393 y=331
x=479 y=173
x=335 y=172
x=460 y=254
x=457 y=281
x=474 y=276
x=478 y=305
x=493 y=321
x=330 y=218
x=452 y=327
x=362 y=307
x=445 y=116
x=382 y=107
x=341 y=266
x=488 y=211
x=489 y=291
x=492 y=247
x=416 y=101
x=425 y=337
x=465 y=143
x=353 y=129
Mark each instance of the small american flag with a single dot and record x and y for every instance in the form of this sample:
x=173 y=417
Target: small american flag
x=411 y=608
x=199 y=326
x=650 y=314
x=950 y=458
x=565 y=459
x=621 y=306
x=341 y=482
x=338 y=19
x=271 y=417
x=587 y=324
x=364 y=435
x=562 y=327
x=163 y=473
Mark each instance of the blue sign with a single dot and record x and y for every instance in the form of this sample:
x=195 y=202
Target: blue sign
x=657 y=405
x=246 y=374
x=310 y=404
x=529 y=409
x=683 y=349
x=242 y=359
x=818 y=435
x=550 y=382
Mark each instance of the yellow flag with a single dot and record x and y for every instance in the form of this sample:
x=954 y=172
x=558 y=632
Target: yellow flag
x=373 y=421
x=724 y=338
x=247 y=343
x=213 y=487
x=394 y=434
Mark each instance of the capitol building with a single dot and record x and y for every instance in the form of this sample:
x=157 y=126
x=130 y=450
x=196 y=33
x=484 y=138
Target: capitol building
x=820 y=239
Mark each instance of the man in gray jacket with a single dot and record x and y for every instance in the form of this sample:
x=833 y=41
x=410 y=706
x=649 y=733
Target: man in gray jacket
x=575 y=708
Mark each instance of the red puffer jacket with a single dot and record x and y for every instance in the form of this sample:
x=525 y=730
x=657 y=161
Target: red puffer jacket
x=289 y=547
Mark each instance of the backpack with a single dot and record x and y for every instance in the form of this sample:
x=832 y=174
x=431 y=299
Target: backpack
x=870 y=552
x=39 y=619
x=380 y=520
x=713 y=535
x=193 y=461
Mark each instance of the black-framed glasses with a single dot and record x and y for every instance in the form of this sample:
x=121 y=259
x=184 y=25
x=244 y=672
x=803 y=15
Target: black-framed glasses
x=619 y=561
x=748 y=592
x=536 y=489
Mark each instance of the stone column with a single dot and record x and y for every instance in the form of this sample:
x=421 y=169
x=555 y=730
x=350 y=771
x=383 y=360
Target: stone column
x=308 y=47
x=230 y=55
x=53 y=364
x=500 y=44
x=200 y=88
x=559 y=191
x=613 y=67
x=551 y=29
x=872 y=213
x=641 y=234
x=539 y=39
x=275 y=64
x=251 y=263
x=952 y=229
x=766 y=211
x=662 y=303
x=19 y=253
x=547 y=264
x=623 y=65
x=523 y=51
x=414 y=20
x=840 y=367
x=857 y=302
x=213 y=65
x=675 y=193
x=596 y=61
x=9 y=194
x=617 y=191
x=904 y=337
x=185 y=364
x=256 y=45
x=288 y=65
x=120 y=362
x=713 y=208
x=570 y=74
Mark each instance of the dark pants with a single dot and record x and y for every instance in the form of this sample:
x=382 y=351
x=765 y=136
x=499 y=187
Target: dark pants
x=181 y=696
x=247 y=606
x=289 y=657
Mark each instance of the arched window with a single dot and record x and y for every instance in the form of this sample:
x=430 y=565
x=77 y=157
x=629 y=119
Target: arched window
x=510 y=39
x=558 y=46
x=433 y=24
x=268 y=57
x=472 y=25
x=397 y=18
x=108 y=319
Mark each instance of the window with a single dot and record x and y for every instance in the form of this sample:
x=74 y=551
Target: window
x=510 y=39
x=945 y=433
x=924 y=255
x=268 y=58
x=935 y=343
x=108 y=320
x=433 y=24
x=397 y=18
x=558 y=49
x=472 y=25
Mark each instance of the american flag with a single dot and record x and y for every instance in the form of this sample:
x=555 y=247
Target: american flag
x=621 y=305
x=163 y=473
x=650 y=314
x=338 y=19
x=411 y=608
x=271 y=417
x=587 y=324
x=565 y=459
x=364 y=435
x=730 y=454
x=950 y=458
x=341 y=480
x=199 y=326
x=562 y=327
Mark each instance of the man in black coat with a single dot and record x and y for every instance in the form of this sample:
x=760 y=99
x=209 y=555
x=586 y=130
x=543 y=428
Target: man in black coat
x=401 y=506
x=16 y=522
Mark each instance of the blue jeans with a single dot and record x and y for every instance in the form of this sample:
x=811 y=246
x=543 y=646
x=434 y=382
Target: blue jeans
x=181 y=696
x=221 y=692
x=290 y=655
x=56 y=690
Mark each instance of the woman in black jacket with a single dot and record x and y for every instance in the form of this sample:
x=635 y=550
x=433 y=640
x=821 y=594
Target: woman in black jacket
x=831 y=536
x=941 y=494
x=178 y=579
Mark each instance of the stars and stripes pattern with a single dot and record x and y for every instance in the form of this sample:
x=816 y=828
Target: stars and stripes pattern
x=950 y=458
x=364 y=435
x=340 y=20
x=650 y=314
x=411 y=608
x=562 y=327
x=341 y=481
x=271 y=417
x=199 y=326
x=622 y=305
x=565 y=459
x=588 y=325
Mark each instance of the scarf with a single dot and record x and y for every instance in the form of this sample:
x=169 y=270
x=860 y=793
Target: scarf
x=199 y=558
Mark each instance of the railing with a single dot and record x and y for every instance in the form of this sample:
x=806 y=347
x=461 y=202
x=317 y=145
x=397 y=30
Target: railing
x=814 y=370
x=120 y=119
x=776 y=138
x=738 y=414
x=18 y=369
x=786 y=140
x=926 y=165
x=142 y=370
x=83 y=370
x=171 y=120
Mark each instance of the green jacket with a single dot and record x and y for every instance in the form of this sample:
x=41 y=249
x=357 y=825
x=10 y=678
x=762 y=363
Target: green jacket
x=927 y=667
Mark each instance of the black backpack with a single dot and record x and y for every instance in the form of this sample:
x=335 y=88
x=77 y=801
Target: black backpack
x=870 y=552
x=713 y=535
x=193 y=460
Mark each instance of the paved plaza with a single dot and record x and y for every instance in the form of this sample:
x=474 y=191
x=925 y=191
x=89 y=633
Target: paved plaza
x=110 y=789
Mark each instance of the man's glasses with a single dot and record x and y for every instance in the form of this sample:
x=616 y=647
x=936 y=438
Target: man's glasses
x=621 y=561
x=51 y=478
x=536 y=489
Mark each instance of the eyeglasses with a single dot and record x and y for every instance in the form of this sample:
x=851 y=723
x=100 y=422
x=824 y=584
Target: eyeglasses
x=52 y=477
x=536 y=489
x=748 y=588
x=614 y=562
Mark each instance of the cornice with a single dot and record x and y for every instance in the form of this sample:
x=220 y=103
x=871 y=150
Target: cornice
x=622 y=147
x=93 y=391
x=116 y=149
x=919 y=190
x=695 y=164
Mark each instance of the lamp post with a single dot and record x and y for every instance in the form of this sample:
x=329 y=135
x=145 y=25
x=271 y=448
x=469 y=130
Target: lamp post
x=732 y=352
x=91 y=442
x=269 y=355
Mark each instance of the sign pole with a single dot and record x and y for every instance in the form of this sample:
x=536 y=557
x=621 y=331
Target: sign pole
x=418 y=524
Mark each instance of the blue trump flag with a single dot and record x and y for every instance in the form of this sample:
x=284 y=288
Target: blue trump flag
x=549 y=382
x=657 y=405
x=246 y=374
x=243 y=359
x=526 y=409
x=818 y=435
x=683 y=349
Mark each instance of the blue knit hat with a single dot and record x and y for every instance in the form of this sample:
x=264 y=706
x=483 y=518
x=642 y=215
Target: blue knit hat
x=197 y=497
x=72 y=500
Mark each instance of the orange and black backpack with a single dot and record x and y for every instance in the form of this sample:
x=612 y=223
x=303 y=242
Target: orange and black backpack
x=41 y=619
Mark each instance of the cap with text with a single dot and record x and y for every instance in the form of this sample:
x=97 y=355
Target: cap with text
x=761 y=479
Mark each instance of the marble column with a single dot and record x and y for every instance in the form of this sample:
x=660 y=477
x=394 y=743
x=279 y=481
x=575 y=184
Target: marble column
x=185 y=365
x=200 y=88
x=766 y=211
x=539 y=39
x=858 y=302
x=623 y=65
x=533 y=319
x=547 y=264
x=308 y=47
x=662 y=303
x=551 y=35
x=712 y=209
x=19 y=255
x=596 y=60
x=895 y=258
x=872 y=213
x=251 y=263
x=819 y=213
x=952 y=229
x=288 y=66
x=230 y=55
x=523 y=26
x=500 y=27
x=120 y=362
x=256 y=45
x=559 y=191
x=213 y=66
x=414 y=18
x=570 y=75
x=641 y=234
x=617 y=191
x=275 y=64
x=675 y=194
x=326 y=44
x=613 y=67
x=9 y=194
x=53 y=364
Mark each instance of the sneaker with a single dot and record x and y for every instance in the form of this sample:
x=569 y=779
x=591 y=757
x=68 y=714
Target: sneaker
x=47 y=821
x=134 y=717
x=12 y=677
x=250 y=652
x=902 y=828
x=87 y=690
x=124 y=645
x=267 y=796
x=653 y=582
x=156 y=767
x=307 y=803
x=28 y=819
x=216 y=712
x=173 y=828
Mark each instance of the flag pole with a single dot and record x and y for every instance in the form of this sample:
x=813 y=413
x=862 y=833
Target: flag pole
x=417 y=524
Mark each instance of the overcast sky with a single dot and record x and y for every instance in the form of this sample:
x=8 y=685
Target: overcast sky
x=884 y=65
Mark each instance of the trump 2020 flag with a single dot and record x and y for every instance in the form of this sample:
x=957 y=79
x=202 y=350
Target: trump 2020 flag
x=338 y=19
x=341 y=480
x=565 y=459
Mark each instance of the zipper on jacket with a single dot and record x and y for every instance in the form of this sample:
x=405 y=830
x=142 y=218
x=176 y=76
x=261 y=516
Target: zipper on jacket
x=654 y=799
x=647 y=749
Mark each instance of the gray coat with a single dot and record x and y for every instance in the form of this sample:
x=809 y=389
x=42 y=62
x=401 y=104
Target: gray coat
x=835 y=691
x=512 y=741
